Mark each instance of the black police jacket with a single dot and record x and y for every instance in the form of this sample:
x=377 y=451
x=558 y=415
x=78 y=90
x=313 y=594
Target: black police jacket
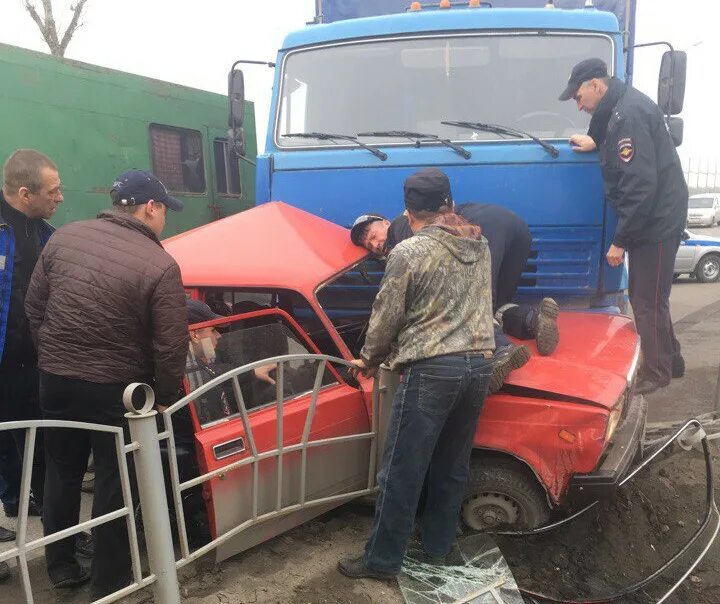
x=641 y=169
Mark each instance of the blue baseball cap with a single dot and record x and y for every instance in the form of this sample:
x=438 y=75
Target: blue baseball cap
x=136 y=187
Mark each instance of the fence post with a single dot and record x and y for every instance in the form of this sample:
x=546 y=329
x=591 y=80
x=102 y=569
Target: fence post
x=153 y=500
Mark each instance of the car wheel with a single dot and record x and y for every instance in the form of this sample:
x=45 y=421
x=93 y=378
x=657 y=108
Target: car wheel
x=500 y=495
x=708 y=269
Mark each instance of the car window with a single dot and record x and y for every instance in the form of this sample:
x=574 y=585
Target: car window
x=216 y=350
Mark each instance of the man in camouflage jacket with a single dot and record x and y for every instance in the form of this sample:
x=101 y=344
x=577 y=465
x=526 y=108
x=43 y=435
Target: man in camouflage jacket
x=432 y=319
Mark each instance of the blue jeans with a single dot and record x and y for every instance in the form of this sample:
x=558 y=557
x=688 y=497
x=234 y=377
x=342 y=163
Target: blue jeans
x=432 y=423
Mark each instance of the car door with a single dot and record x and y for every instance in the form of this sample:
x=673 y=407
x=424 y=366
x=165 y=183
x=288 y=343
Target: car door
x=269 y=498
x=685 y=258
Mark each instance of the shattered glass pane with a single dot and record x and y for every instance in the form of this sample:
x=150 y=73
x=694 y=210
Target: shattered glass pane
x=475 y=572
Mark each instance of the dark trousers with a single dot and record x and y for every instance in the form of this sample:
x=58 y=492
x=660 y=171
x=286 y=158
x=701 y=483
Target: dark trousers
x=518 y=321
x=432 y=423
x=67 y=452
x=10 y=468
x=509 y=252
x=650 y=280
x=19 y=400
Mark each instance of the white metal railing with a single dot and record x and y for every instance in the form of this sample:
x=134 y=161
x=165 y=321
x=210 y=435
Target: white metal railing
x=145 y=447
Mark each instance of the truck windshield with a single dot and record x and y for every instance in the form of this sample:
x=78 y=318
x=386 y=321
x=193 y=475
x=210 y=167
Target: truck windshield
x=700 y=202
x=415 y=84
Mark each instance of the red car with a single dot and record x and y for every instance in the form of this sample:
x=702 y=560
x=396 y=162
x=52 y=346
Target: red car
x=564 y=427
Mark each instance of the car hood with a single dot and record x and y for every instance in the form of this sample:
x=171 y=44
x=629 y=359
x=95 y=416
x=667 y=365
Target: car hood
x=596 y=354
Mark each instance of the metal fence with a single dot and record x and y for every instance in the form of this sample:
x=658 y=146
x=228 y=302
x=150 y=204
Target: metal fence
x=145 y=447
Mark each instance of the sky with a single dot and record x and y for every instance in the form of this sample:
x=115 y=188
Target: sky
x=195 y=43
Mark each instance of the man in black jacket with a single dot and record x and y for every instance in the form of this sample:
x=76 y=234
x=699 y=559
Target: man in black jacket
x=509 y=241
x=30 y=194
x=645 y=185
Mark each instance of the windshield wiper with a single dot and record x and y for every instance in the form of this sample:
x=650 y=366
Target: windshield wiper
x=420 y=137
x=325 y=136
x=553 y=151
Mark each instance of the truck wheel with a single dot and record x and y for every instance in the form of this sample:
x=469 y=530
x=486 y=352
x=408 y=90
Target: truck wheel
x=501 y=495
x=708 y=269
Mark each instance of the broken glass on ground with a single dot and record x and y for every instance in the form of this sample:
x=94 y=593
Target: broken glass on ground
x=475 y=572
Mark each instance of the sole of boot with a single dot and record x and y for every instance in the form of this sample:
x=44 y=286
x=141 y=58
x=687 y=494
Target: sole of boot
x=547 y=334
x=515 y=359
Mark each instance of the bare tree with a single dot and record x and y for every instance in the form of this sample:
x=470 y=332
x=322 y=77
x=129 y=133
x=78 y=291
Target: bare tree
x=48 y=27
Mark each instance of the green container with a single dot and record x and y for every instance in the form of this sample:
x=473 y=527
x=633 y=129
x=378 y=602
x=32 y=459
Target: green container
x=96 y=123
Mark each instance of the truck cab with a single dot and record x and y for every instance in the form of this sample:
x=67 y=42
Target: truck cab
x=390 y=82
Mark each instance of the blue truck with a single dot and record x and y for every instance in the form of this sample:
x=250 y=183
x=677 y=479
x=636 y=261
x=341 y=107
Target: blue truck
x=372 y=91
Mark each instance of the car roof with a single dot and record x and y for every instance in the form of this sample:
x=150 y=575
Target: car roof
x=273 y=245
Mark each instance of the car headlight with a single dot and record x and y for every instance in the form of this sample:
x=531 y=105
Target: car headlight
x=616 y=415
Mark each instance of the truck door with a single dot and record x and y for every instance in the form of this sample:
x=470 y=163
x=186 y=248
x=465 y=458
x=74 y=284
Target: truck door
x=281 y=486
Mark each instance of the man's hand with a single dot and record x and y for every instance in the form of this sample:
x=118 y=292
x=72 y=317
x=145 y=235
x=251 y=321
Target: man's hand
x=582 y=143
x=263 y=373
x=615 y=255
x=359 y=366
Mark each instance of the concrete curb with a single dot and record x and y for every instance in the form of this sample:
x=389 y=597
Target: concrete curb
x=696 y=317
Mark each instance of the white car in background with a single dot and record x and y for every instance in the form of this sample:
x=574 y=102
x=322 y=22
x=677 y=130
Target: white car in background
x=704 y=209
x=699 y=257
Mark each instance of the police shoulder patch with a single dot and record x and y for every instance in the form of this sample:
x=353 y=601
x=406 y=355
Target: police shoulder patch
x=626 y=150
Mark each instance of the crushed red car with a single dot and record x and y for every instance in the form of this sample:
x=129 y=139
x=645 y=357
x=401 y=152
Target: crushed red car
x=564 y=428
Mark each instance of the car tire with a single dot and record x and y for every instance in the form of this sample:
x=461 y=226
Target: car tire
x=502 y=495
x=708 y=268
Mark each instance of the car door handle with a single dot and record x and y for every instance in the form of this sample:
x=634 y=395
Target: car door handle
x=226 y=449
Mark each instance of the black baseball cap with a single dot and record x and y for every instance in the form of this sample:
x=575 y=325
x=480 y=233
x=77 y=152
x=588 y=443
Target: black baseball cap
x=428 y=189
x=136 y=187
x=582 y=72
x=199 y=312
x=359 y=225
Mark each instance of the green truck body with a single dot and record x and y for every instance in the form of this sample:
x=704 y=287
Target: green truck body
x=96 y=122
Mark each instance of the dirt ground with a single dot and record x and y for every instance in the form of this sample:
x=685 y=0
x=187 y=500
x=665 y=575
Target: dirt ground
x=617 y=543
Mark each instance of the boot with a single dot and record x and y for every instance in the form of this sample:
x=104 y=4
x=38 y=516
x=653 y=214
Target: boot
x=547 y=334
x=505 y=360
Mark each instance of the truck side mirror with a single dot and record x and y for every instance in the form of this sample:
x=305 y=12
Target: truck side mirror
x=676 y=128
x=671 y=85
x=236 y=111
x=236 y=98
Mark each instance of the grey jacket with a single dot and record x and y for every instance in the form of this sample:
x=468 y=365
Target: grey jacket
x=434 y=299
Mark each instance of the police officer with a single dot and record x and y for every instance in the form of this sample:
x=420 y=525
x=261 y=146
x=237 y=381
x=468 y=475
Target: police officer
x=645 y=185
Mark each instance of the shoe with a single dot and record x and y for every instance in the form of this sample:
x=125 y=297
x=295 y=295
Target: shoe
x=4 y=571
x=355 y=569
x=678 y=367
x=547 y=334
x=431 y=560
x=84 y=545
x=12 y=510
x=505 y=360
x=72 y=578
x=6 y=535
x=648 y=386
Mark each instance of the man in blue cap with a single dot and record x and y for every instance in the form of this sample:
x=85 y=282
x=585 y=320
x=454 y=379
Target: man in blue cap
x=105 y=307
